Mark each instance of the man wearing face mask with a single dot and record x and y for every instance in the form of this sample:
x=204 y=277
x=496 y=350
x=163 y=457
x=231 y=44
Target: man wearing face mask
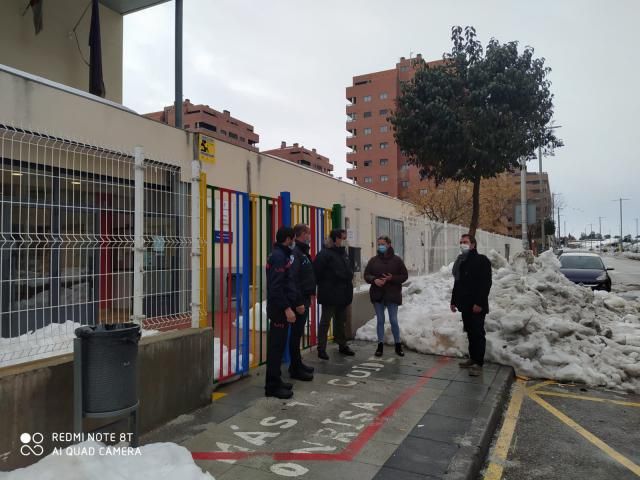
x=335 y=291
x=304 y=282
x=281 y=306
x=386 y=272
x=472 y=274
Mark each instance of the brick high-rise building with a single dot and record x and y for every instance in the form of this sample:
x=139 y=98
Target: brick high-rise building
x=537 y=194
x=204 y=119
x=302 y=156
x=376 y=161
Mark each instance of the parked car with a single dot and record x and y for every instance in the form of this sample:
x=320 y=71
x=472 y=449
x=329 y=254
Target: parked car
x=586 y=269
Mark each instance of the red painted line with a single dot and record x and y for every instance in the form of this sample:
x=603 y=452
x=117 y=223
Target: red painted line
x=353 y=449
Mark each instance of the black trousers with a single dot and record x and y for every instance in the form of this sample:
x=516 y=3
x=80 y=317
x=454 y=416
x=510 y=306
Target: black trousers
x=276 y=343
x=297 y=332
x=474 y=326
x=339 y=315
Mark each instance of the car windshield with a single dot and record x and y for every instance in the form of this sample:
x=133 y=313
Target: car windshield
x=581 y=262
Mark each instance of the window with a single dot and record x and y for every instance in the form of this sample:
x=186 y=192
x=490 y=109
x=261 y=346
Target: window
x=368 y=179
x=368 y=146
x=367 y=163
x=384 y=162
x=367 y=98
x=242 y=139
x=206 y=126
x=384 y=178
x=384 y=129
x=366 y=114
x=223 y=132
x=233 y=135
x=384 y=111
x=404 y=184
x=367 y=131
x=384 y=96
x=404 y=167
x=384 y=193
x=404 y=68
x=423 y=191
x=384 y=145
x=305 y=163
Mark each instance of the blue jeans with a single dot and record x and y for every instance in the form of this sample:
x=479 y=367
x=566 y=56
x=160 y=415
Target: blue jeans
x=392 y=308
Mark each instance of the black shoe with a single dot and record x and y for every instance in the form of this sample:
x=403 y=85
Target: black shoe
x=300 y=374
x=399 y=350
x=278 y=392
x=380 y=349
x=346 y=350
x=288 y=386
x=322 y=355
x=467 y=364
x=307 y=368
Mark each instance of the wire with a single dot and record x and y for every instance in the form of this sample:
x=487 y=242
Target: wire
x=75 y=33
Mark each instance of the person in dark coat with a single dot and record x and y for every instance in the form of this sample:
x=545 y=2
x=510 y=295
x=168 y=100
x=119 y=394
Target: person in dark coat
x=335 y=291
x=386 y=272
x=282 y=302
x=305 y=285
x=472 y=273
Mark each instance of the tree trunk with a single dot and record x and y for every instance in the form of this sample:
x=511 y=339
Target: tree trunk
x=475 y=213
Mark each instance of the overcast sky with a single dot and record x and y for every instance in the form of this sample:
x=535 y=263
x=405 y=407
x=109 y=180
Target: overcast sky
x=283 y=66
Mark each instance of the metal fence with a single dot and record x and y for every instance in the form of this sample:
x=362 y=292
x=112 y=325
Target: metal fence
x=76 y=222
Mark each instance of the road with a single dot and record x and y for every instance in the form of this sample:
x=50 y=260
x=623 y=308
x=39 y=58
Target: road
x=566 y=432
x=626 y=276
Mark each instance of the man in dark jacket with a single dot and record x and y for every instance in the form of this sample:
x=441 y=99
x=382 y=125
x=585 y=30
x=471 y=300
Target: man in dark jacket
x=335 y=291
x=472 y=273
x=281 y=303
x=386 y=272
x=305 y=285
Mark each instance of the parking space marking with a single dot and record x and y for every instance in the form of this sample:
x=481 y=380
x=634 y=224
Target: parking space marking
x=499 y=457
x=585 y=397
x=617 y=456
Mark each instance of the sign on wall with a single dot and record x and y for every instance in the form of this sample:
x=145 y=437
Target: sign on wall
x=206 y=149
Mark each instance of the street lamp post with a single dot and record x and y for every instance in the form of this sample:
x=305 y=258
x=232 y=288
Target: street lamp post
x=523 y=202
x=542 y=232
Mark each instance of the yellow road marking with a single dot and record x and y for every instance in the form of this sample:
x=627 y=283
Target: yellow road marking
x=217 y=396
x=584 y=397
x=494 y=471
x=586 y=434
x=535 y=387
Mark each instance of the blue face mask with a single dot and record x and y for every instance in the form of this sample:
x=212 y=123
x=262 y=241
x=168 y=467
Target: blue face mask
x=382 y=249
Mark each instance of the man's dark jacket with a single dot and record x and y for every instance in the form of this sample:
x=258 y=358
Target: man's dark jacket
x=281 y=291
x=474 y=284
x=334 y=276
x=302 y=272
x=379 y=265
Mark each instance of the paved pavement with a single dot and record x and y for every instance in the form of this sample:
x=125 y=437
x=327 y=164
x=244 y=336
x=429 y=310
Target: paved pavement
x=567 y=432
x=417 y=417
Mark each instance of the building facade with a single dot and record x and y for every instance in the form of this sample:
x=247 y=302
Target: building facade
x=375 y=159
x=204 y=119
x=538 y=194
x=302 y=156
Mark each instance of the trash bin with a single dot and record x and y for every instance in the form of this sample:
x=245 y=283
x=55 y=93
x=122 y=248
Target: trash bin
x=109 y=367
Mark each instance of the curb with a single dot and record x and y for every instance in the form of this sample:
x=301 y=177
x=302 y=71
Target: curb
x=468 y=461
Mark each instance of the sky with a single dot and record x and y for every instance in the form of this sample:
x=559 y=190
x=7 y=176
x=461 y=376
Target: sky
x=283 y=66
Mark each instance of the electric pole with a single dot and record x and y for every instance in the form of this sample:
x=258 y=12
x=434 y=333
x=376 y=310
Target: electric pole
x=600 y=223
x=621 y=237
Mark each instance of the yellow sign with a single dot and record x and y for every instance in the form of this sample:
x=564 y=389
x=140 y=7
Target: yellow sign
x=206 y=149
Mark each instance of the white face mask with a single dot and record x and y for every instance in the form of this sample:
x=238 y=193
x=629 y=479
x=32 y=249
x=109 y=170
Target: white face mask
x=464 y=248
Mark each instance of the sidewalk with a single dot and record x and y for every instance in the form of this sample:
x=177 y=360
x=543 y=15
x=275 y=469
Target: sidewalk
x=361 y=417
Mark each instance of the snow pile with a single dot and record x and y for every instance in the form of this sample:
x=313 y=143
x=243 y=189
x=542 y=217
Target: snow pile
x=632 y=256
x=157 y=461
x=54 y=339
x=540 y=323
x=228 y=366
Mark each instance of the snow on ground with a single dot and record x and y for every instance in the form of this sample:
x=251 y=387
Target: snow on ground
x=54 y=339
x=235 y=359
x=631 y=256
x=540 y=323
x=157 y=461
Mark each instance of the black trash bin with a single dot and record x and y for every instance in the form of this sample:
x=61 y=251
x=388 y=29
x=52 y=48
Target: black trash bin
x=109 y=367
